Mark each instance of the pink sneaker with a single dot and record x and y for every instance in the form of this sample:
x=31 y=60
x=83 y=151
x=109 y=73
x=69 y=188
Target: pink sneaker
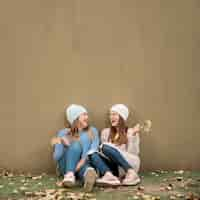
x=108 y=180
x=69 y=179
x=131 y=178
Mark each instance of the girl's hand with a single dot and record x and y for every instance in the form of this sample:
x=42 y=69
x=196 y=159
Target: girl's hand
x=80 y=164
x=65 y=141
x=136 y=129
x=55 y=140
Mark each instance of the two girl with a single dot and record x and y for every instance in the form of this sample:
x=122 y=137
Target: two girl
x=78 y=153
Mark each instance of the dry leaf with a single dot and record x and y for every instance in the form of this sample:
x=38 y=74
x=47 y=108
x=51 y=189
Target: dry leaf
x=36 y=177
x=179 y=172
x=15 y=191
x=23 y=188
x=140 y=188
x=59 y=183
x=40 y=194
x=180 y=178
x=168 y=188
x=50 y=191
x=28 y=194
x=180 y=195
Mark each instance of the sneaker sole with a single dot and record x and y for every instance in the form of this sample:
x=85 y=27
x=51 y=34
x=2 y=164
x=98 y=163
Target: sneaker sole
x=90 y=179
x=104 y=184
x=137 y=181
x=68 y=184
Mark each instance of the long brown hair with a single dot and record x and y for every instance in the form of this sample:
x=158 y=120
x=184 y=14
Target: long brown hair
x=74 y=132
x=118 y=135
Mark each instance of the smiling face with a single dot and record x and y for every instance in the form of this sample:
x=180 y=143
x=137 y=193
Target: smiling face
x=114 y=118
x=83 y=120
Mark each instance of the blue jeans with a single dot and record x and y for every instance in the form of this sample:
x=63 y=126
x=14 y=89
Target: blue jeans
x=99 y=163
x=70 y=159
x=115 y=157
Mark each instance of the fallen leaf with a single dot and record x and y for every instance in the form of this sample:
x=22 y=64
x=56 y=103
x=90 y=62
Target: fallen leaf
x=146 y=197
x=36 y=177
x=40 y=194
x=179 y=172
x=59 y=183
x=50 y=191
x=15 y=191
x=60 y=198
x=10 y=175
x=23 y=188
x=172 y=197
x=162 y=189
x=180 y=178
x=179 y=195
x=28 y=194
x=169 y=188
x=140 y=188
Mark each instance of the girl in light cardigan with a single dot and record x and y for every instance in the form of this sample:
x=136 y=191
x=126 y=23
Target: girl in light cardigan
x=120 y=144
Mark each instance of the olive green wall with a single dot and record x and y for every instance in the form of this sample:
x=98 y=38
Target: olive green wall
x=96 y=53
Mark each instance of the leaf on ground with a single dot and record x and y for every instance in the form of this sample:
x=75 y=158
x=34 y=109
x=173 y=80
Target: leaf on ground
x=42 y=194
x=179 y=178
x=37 y=177
x=50 y=191
x=15 y=191
x=59 y=183
x=179 y=195
x=23 y=188
x=179 y=172
x=140 y=188
x=28 y=194
x=172 y=197
x=146 y=197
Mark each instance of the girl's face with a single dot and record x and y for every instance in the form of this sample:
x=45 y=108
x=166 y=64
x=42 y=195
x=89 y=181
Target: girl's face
x=114 y=118
x=83 y=120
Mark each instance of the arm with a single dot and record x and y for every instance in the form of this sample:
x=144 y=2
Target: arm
x=58 y=151
x=105 y=135
x=93 y=147
x=59 y=146
x=133 y=145
x=89 y=148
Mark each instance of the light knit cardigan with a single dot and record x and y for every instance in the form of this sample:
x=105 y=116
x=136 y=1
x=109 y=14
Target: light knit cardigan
x=130 y=151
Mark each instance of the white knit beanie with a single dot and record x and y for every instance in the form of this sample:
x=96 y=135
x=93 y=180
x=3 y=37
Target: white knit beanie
x=121 y=109
x=74 y=111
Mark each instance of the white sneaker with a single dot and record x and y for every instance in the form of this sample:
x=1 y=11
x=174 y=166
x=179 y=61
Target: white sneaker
x=89 y=179
x=108 y=180
x=69 y=179
x=131 y=178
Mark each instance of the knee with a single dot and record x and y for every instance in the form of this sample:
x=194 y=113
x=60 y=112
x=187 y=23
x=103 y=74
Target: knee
x=94 y=156
x=75 y=147
x=107 y=149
